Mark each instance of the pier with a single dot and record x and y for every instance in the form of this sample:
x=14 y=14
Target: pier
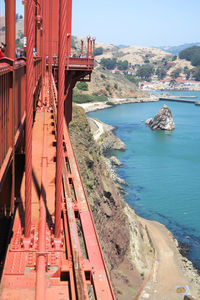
x=180 y=100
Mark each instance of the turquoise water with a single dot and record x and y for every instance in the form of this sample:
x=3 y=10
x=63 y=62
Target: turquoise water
x=162 y=168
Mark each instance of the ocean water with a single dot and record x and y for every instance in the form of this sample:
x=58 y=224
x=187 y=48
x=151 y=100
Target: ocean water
x=162 y=168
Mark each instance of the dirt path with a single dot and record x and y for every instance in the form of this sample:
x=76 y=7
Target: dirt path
x=99 y=131
x=167 y=272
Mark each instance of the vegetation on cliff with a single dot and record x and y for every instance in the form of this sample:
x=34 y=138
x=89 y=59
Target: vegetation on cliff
x=122 y=237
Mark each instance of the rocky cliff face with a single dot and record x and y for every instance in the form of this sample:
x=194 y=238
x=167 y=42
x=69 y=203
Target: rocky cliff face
x=124 y=241
x=162 y=121
x=132 y=246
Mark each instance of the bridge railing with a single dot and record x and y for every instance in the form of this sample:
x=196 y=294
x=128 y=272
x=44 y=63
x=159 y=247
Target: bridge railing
x=5 y=85
x=19 y=87
x=83 y=60
x=13 y=104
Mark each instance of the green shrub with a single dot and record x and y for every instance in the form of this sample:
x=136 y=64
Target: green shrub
x=80 y=98
x=98 y=51
x=110 y=103
x=108 y=87
x=103 y=76
x=82 y=86
x=90 y=184
x=132 y=78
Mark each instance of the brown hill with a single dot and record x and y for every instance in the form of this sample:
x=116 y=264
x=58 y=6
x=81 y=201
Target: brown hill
x=113 y=85
x=19 y=29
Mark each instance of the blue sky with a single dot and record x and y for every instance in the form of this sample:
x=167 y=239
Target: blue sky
x=135 y=22
x=20 y=7
x=138 y=22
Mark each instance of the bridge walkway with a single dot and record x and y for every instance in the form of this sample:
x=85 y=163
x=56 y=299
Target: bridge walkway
x=73 y=267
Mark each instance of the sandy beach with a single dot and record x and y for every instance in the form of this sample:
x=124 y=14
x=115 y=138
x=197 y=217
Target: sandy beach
x=170 y=269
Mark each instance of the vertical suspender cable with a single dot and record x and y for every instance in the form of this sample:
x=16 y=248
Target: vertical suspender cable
x=59 y=149
x=10 y=17
x=29 y=115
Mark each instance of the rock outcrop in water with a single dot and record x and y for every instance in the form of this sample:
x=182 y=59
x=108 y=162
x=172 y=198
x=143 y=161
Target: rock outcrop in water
x=162 y=121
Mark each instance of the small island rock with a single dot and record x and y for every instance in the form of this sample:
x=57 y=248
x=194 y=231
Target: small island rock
x=162 y=121
x=149 y=121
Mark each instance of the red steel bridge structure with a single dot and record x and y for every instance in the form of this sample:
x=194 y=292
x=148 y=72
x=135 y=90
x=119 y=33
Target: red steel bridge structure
x=49 y=248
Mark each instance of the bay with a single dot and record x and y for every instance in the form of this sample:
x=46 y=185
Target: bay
x=162 y=168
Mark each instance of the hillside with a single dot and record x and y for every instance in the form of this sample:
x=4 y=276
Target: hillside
x=177 y=49
x=19 y=29
x=135 y=54
x=115 y=83
x=112 y=85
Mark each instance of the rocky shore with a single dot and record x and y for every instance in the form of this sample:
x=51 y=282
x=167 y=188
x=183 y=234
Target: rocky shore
x=142 y=256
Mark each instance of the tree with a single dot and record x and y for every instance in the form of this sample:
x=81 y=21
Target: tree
x=161 y=73
x=109 y=63
x=187 y=72
x=196 y=60
x=191 y=54
x=122 y=65
x=174 y=58
x=175 y=74
x=145 y=71
x=98 y=51
x=73 y=44
x=196 y=73
x=172 y=83
x=132 y=79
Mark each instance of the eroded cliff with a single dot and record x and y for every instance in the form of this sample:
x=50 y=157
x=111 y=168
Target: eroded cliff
x=125 y=242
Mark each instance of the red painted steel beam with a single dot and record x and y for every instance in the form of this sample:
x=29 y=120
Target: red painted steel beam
x=29 y=116
x=93 y=47
x=42 y=52
x=88 y=46
x=69 y=24
x=59 y=148
x=81 y=48
x=42 y=255
x=38 y=20
x=10 y=21
x=50 y=50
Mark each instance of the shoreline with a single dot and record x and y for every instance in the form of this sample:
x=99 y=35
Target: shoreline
x=180 y=263
x=94 y=106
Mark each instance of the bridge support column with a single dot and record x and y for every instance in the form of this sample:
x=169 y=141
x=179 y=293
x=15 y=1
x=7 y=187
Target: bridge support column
x=29 y=116
x=10 y=20
x=69 y=24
